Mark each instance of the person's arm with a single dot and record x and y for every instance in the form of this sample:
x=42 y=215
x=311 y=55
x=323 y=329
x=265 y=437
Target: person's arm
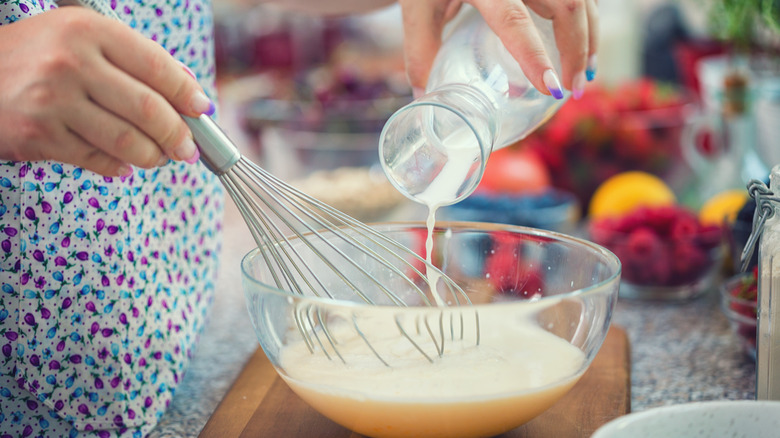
x=83 y=89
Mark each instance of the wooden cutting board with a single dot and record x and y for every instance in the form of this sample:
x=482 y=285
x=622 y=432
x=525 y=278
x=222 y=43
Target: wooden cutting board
x=260 y=404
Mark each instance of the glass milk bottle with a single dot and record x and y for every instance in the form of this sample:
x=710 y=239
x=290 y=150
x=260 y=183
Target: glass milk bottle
x=477 y=100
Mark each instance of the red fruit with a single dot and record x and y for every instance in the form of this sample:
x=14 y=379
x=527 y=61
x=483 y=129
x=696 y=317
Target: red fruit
x=630 y=222
x=419 y=235
x=528 y=283
x=687 y=261
x=748 y=332
x=643 y=245
x=603 y=231
x=710 y=236
x=661 y=270
x=660 y=219
x=515 y=171
x=747 y=291
x=506 y=270
x=685 y=228
x=637 y=274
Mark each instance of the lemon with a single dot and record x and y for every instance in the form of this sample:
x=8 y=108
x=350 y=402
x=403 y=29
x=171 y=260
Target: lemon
x=723 y=207
x=626 y=191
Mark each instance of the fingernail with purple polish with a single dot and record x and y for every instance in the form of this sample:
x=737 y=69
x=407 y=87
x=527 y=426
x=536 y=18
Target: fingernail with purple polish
x=552 y=83
x=212 y=109
x=202 y=104
x=590 y=71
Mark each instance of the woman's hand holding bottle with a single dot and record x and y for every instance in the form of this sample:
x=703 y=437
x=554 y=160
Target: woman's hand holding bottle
x=576 y=33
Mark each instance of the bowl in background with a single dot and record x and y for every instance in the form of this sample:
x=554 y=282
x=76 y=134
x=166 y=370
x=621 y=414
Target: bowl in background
x=542 y=305
x=636 y=125
x=552 y=209
x=328 y=148
x=667 y=254
x=739 y=301
x=729 y=418
x=340 y=169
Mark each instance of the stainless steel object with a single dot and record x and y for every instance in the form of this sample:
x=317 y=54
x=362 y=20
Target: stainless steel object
x=276 y=213
x=766 y=225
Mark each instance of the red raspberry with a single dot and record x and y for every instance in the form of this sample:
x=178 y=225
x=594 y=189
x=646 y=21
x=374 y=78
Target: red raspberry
x=604 y=232
x=684 y=228
x=661 y=270
x=635 y=273
x=643 y=245
x=688 y=261
x=710 y=236
x=661 y=218
x=508 y=272
x=630 y=222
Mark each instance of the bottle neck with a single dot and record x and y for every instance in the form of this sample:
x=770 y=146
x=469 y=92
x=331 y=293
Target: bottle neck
x=434 y=150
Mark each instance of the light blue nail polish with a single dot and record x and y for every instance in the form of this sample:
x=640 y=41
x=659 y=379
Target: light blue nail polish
x=590 y=74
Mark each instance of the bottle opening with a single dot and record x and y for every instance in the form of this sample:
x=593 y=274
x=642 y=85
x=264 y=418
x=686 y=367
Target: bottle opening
x=432 y=152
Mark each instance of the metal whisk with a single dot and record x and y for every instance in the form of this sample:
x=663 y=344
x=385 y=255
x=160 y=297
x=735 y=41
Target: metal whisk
x=313 y=249
x=325 y=264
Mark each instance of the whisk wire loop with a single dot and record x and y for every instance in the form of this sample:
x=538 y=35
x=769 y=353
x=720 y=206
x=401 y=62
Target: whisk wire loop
x=251 y=215
x=299 y=199
x=261 y=224
x=411 y=340
x=301 y=240
x=272 y=192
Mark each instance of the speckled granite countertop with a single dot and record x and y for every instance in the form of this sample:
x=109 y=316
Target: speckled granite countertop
x=680 y=352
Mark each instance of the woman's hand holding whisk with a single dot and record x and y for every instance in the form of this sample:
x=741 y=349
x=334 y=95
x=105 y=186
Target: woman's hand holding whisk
x=90 y=91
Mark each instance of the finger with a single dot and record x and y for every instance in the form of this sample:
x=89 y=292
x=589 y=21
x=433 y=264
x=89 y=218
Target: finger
x=570 y=23
x=512 y=22
x=593 y=38
x=151 y=64
x=112 y=135
x=75 y=150
x=146 y=110
x=423 y=23
x=572 y=32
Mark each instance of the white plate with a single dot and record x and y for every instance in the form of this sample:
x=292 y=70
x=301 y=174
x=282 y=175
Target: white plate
x=741 y=418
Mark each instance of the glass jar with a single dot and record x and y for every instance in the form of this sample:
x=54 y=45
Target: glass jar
x=434 y=149
x=766 y=225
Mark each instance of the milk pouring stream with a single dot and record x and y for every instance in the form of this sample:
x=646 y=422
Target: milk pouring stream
x=434 y=150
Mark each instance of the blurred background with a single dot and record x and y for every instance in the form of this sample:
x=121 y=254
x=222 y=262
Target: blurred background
x=683 y=112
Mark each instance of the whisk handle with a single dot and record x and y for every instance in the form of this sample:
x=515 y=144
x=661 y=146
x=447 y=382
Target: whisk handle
x=217 y=151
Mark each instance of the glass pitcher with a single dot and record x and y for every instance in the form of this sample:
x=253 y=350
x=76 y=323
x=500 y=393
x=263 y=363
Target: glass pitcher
x=477 y=100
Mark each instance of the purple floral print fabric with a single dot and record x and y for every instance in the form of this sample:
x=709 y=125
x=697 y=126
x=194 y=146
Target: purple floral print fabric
x=105 y=283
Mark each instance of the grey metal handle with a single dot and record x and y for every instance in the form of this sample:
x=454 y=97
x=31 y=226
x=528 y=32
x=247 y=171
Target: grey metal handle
x=217 y=151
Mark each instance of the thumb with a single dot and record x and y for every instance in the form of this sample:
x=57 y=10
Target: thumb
x=423 y=22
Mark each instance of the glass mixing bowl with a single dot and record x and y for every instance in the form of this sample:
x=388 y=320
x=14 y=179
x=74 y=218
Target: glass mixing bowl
x=541 y=305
